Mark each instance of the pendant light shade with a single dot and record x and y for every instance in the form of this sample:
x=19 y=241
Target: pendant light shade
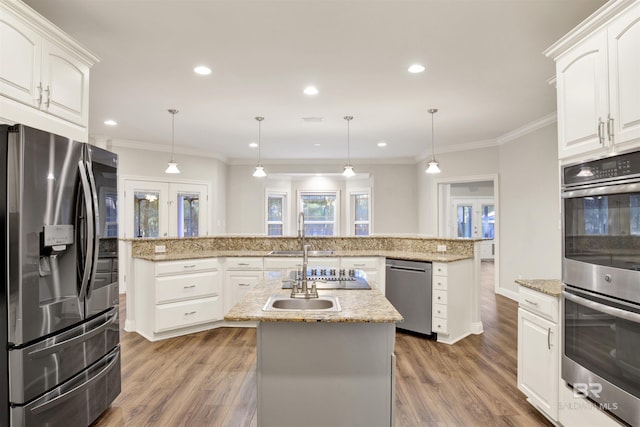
x=172 y=166
x=259 y=171
x=348 y=169
x=432 y=165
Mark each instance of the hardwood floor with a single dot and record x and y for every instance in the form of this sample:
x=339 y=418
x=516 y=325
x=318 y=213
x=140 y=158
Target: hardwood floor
x=209 y=378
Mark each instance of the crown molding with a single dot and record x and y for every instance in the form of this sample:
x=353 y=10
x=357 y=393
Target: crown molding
x=527 y=129
x=148 y=146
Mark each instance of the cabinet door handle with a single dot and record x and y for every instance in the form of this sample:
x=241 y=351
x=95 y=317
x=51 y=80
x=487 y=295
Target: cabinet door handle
x=189 y=286
x=531 y=302
x=610 y=128
x=39 y=98
x=549 y=338
x=601 y=130
x=48 y=90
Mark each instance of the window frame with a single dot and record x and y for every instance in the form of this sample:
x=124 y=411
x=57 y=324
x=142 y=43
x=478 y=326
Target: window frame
x=351 y=211
x=285 y=211
x=336 y=209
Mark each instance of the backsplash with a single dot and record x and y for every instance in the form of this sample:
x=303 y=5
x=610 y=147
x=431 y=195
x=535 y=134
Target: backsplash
x=146 y=247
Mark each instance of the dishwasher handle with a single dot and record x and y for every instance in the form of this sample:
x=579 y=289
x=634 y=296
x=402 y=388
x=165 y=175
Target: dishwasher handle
x=404 y=268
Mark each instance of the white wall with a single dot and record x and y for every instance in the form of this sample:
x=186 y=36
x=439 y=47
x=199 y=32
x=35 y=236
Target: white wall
x=530 y=235
x=394 y=195
x=151 y=164
x=454 y=166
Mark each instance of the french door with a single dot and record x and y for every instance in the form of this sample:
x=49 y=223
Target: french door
x=162 y=209
x=475 y=219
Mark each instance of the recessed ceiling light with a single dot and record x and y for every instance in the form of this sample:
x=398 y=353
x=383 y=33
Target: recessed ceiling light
x=311 y=90
x=110 y=122
x=313 y=119
x=416 y=68
x=253 y=144
x=316 y=145
x=382 y=144
x=202 y=70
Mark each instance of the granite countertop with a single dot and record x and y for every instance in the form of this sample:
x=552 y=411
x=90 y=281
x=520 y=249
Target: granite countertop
x=358 y=306
x=551 y=287
x=410 y=256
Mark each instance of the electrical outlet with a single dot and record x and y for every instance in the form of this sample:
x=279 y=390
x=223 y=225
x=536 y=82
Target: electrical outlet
x=442 y=248
x=160 y=249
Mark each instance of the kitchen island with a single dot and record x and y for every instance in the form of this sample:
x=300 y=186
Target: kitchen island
x=320 y=368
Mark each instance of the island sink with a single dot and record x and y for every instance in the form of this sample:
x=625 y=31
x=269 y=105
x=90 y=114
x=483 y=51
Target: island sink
x=285 y=303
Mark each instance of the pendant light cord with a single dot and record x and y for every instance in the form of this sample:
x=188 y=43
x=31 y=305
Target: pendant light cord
x=432 y=111
x=173 y=126
x=348 y=119
x=259 y=119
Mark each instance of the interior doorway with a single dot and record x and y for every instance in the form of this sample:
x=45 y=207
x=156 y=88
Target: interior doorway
x=468 y=208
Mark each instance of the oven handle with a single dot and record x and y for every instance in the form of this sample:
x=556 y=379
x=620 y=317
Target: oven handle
x=613 y=311
x=601 y=188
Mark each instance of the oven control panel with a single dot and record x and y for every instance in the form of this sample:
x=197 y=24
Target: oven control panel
x=611 y=168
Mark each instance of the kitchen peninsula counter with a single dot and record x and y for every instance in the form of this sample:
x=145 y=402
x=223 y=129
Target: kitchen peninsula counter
x=405 y=255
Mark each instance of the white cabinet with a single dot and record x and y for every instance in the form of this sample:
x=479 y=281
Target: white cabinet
x=451 y=302
x=240 y=276
x=538 y=350
x=176 y=297
x=44 y=74
x=598 y=89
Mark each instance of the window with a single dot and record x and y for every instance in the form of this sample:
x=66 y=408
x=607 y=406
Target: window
x=146 y=213
x=320 y=212
x=361 y=206
x=188 y=207
x=276 y=205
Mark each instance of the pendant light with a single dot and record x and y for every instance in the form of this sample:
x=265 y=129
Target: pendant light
x=432 y=166
x=348 y=169
x=172 y=166
x=259 y=172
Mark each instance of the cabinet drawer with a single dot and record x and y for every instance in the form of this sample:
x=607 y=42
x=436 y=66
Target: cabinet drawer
x=439 y=325
x=187 y=286
x=274 y=263
x=359 y=263
x=186 y=266
x=539 y=303
x=440 y=310
x=439 y=269
x=440 y=283
x=244 y=263
x=181 y=314
x=439 y=297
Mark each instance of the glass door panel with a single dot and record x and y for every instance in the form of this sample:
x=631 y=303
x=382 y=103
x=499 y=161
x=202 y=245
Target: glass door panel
x=465 y=221
x=488 y=221
x=146 y=215
x=145 y=209
x=188 y=209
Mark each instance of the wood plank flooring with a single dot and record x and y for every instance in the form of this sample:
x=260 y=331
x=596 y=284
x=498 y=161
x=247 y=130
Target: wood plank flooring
x=209 y=378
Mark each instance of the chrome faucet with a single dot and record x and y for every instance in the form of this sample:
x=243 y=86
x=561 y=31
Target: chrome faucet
x=301 y=289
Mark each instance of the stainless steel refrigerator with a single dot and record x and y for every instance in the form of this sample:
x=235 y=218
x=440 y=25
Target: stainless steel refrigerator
x=60 y=361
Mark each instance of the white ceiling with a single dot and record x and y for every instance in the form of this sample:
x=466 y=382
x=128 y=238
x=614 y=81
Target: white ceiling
x=485 y=72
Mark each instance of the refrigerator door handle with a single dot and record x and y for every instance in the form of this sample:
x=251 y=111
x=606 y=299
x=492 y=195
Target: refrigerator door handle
x=59 y=399
x=96 y=221
x=71 y=341
x=86 y=273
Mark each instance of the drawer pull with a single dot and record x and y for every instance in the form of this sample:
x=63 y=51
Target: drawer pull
x=439 y=298
x=244 y=284
x=243 y=264
x=531 y=302
x=190 y=266
x=359 y=265
x=189 y=286
x=190 y=313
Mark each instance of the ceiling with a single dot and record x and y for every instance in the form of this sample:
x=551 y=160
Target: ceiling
x=485 y=72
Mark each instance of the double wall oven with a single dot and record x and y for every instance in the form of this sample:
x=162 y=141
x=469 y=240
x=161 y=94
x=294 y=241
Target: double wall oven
x=601 y=271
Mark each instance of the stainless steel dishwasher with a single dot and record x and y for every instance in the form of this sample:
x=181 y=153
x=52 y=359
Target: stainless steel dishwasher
x=408 y=288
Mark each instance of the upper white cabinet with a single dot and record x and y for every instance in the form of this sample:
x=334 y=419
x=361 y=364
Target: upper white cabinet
x=598 y=82
x=44 y=74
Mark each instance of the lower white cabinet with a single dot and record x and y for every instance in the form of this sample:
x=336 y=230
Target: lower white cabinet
x=176 y=297
x=538 y=350
x=451 y=303
x=240 y=276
